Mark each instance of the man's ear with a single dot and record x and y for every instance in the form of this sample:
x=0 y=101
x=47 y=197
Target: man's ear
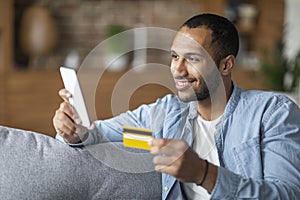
x=226 y=65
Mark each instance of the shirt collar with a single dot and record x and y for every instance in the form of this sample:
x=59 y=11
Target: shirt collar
x=229 y=109
x=233 y=100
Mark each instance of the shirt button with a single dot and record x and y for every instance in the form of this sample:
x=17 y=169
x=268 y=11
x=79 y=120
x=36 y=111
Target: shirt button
x=166 y=188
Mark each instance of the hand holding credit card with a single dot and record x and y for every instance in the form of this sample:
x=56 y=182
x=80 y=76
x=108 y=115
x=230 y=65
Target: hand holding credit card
x=137 y=137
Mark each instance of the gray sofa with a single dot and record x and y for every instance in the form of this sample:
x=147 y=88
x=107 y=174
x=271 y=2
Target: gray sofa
x=36 y=166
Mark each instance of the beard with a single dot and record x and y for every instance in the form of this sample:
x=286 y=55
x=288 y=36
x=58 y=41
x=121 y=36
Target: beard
x=205 y=91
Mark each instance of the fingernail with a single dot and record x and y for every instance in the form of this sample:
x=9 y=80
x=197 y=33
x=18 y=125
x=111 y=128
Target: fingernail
x=68 y=94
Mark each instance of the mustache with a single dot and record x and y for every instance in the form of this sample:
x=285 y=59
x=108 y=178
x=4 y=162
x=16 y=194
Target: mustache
x=184 y=78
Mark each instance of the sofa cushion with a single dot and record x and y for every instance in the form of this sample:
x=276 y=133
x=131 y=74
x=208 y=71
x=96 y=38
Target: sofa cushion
x=36 y=166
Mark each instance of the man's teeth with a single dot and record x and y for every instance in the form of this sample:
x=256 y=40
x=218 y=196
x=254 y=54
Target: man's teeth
x=183 y=83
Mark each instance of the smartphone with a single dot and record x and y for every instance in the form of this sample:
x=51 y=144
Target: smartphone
x=71 y=83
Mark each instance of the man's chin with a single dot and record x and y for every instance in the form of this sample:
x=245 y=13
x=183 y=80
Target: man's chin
x=187 y=97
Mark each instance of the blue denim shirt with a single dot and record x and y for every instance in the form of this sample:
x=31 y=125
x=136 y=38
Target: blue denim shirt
x=258 y=142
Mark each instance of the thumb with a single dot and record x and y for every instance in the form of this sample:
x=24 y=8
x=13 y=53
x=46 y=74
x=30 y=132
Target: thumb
x=65 y=95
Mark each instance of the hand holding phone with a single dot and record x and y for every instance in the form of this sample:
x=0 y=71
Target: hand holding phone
x=72 y=84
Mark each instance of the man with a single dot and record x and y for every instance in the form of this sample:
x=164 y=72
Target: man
x=213 y=140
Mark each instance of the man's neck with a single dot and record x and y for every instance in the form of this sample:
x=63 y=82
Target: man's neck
x=214 y=106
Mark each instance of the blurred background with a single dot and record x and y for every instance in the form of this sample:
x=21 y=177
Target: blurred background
x=38 y=36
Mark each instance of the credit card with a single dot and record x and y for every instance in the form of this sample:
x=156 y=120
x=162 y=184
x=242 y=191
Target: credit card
x=137 y=137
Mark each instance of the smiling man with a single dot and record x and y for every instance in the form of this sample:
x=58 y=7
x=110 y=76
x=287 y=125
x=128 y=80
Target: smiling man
x=212 y=140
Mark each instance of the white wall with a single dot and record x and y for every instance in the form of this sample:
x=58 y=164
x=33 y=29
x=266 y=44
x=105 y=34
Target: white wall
x=292 y=28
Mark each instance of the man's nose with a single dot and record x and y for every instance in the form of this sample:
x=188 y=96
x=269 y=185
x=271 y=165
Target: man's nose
x=181 y=67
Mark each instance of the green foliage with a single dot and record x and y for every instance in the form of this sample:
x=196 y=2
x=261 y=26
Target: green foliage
x=117 y=43
x=277 y=71
x=114 y=29
x=296 y=70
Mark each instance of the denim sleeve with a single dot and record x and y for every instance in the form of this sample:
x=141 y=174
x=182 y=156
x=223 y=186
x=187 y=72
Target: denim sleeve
x=111 y=129
x=280 y=143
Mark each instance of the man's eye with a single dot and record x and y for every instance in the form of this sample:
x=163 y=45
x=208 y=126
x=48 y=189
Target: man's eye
x=192 y=59
x=174 y=56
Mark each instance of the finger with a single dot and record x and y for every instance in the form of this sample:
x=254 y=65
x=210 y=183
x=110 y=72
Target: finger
x=168 y=147
x=160 y=142
x=167 y=150
x=164 y=169
x=70 y=139
x=158 y=145
x=64 y=130
x=68 y=135
x=165 y=160
x=167 y=169
x=65 y=94
x=160 y=168
x=69 y=111
x=80 y=130
x=63 y=123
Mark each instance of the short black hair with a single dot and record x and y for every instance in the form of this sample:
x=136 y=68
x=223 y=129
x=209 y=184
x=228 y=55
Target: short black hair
x=224 y=34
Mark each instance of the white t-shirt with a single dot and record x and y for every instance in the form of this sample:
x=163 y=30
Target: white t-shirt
x=205 y=146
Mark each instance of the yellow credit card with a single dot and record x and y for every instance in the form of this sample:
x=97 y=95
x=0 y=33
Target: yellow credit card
x=137 y=137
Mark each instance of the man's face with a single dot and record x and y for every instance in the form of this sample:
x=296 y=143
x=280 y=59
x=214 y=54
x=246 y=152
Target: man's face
x=195 y=73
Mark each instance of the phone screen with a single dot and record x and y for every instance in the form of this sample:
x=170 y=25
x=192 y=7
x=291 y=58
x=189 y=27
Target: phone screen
x=71 y=83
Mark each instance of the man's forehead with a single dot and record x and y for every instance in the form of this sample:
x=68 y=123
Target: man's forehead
x=195 y=38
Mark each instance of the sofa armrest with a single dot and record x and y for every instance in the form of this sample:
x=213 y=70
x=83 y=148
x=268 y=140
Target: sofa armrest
x=36 y=166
